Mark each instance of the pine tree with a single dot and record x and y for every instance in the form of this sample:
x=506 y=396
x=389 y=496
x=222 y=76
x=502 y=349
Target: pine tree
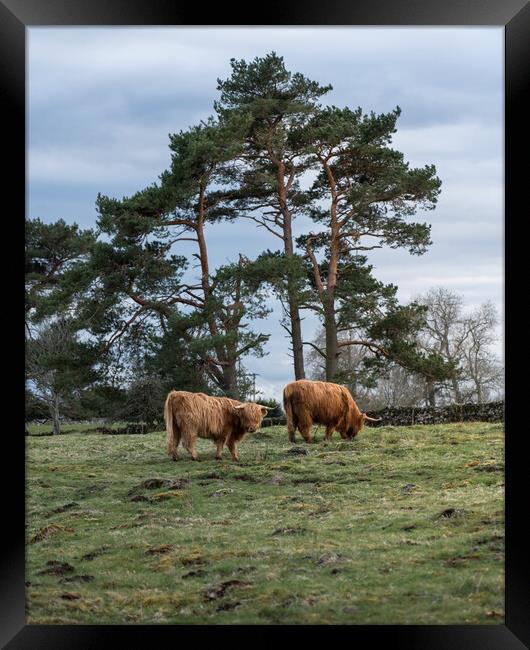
x=145 y=276
x=361 y=197
x=276 y=103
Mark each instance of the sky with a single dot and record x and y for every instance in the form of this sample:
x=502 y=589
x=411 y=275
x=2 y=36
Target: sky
x=102 y=101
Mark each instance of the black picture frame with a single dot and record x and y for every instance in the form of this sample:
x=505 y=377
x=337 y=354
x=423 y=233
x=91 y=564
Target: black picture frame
x=15 y=16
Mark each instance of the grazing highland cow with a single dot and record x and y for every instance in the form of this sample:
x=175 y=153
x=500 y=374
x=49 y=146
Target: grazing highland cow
x=224 y=420
x=319 y=402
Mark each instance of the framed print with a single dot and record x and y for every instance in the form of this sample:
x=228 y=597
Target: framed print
x=267 y=283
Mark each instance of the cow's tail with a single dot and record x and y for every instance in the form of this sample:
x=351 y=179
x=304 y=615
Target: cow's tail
x=169 y=419
x=288 y=408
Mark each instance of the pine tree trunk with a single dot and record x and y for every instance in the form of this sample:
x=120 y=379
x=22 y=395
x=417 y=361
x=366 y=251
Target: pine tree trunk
x=456 y=390
x=294 y=312
x=332 y=349
x=229 y=386
x=431 y=394
x=54 y=411
x=296 y=337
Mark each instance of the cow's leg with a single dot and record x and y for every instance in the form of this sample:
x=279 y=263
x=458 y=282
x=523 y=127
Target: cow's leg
x=291 y=431
x=219 y=449
x=329 y=432
x=231 y=444
x=305 y=430
x=173 y=443
x=189 y=444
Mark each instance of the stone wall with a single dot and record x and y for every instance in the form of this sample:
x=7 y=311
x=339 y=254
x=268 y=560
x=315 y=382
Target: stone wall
x=487 y=412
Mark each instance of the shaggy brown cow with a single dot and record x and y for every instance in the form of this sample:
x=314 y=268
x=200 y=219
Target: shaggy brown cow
x=319 y=402
x=224 y=420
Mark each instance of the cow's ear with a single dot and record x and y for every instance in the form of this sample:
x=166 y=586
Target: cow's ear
x=264 y=410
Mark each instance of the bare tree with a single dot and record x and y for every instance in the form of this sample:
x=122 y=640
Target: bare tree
x=53 y=375
x=481 y=367
x=463 y=339
x=397 y=387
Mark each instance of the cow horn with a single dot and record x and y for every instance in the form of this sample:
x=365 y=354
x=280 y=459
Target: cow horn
x=241 y=406
x=367 y=417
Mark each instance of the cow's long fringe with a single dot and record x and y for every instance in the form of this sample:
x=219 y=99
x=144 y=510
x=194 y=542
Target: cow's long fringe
x=288 y=408
x=170 y=425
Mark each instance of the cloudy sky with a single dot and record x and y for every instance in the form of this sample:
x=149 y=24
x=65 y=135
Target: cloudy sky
x=101 y=103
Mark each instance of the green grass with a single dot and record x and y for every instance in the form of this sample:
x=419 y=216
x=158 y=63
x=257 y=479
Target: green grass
x=402 y=526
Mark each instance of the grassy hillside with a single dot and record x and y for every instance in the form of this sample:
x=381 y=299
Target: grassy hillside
x=403 y=525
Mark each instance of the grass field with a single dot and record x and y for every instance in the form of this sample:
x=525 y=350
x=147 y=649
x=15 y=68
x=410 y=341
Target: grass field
x=404 y=525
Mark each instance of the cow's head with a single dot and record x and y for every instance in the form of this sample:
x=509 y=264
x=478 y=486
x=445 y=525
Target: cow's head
x=250 y=415
x=356 y=423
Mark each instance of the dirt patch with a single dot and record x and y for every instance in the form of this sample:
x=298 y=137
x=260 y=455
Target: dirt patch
x=450 y=513
x=158 y=550
x=192 y=560
x=164 y=496
x=223 y=607
x=154 y=484
x=90 y=490
x=297 y=451
x=93 y=554
x=490 y=467
x=245 y=477
x=48 y=531
x=82 y=578
x=290 y=531
x=214 y=593
x=457 y=560
x=314 y=480
x=67 y=506
x=328 y=558
x=69 y=596
x=321 y=510
x=408 y=487
x=56 y=568
x=222 y=492
x=197 y=573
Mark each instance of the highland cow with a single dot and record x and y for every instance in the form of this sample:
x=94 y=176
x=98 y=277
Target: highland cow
x=319 y=402
x=223 y=420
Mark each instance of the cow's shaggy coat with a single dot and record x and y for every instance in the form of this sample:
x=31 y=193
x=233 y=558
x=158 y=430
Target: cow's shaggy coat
x=319 y=402
x=224 y=420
